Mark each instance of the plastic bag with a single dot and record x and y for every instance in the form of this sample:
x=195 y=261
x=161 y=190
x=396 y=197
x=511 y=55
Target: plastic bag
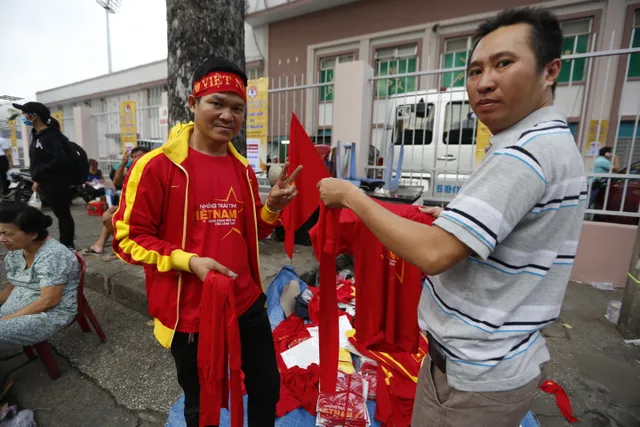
x=35 y=201
x=347 y=407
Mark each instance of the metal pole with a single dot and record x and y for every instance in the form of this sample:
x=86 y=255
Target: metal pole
x=106 y=11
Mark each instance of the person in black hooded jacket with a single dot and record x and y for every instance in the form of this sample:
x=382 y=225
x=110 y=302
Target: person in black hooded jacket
x=50 y=166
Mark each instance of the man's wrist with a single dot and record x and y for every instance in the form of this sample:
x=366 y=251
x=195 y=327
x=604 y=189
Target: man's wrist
x=269 y=207
x=351 y=196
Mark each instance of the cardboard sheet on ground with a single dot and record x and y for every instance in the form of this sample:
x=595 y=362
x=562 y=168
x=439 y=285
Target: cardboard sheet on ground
x=308 y=352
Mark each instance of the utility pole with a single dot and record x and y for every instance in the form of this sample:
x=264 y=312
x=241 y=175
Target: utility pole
x=629 y=322
x=110 y=7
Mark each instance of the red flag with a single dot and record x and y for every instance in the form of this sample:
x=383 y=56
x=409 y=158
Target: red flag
x=562 y=400
x=302 y=152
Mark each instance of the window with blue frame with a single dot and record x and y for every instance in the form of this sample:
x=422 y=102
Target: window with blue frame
x=634 y=65
x=625 y=130
x=576 y=36
x=628 y=147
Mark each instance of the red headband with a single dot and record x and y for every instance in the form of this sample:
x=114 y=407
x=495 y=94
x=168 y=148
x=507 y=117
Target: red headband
x=217 y=82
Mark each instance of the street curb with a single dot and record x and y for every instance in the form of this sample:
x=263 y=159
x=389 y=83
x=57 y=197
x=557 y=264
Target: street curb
x=122 y=286
x=120 y=283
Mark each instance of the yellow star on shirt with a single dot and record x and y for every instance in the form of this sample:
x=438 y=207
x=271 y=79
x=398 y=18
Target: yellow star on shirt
x=232 y=198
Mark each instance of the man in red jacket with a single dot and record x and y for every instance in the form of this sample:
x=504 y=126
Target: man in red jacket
x=190 y=207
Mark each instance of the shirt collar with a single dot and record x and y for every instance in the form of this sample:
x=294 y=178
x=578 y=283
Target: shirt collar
x=512 y=134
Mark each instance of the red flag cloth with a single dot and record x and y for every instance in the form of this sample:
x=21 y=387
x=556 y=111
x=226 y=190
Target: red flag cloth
x=346 y=291
x=299 y=388
x=302 y=152
x=219 y=352
x=346 y=406
x=562 y=400
x=387 y=307
x=328 y=325
x=289 y=333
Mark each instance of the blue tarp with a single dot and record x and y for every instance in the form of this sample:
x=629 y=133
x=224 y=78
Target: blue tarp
x=299 y=417
x=282 y=279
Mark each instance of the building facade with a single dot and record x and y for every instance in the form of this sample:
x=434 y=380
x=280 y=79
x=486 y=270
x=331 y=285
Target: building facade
x=300 y=42
x=403 y=49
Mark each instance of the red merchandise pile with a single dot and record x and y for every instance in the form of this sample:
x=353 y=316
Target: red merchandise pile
x=347 y=407
x=298 y=388
x=369 y=371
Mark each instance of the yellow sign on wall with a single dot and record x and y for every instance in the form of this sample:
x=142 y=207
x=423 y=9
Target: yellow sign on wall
x=13 y=134
x=596 y=136
x=58 y=116
x=128 y=125
x=257 y=122
x=482 y=141
x=13 y=137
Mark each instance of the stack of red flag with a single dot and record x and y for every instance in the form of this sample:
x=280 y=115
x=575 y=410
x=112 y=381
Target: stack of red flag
x=347 y=406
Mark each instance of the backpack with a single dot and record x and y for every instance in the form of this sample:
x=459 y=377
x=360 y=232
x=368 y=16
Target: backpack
x=79 y=162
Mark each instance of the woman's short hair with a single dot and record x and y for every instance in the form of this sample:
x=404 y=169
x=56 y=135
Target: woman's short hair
x=605 y=150
x=28 y=219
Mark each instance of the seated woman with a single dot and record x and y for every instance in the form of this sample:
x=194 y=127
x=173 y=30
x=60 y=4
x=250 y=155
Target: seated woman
x=42 y=295
x=94 y=187
x=118 y=177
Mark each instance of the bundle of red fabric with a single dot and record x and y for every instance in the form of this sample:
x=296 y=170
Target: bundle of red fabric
x=396 y=385
x=287 y=334
x=387 y=318
x=345 y=291
x=289 y=330
x=219 y=352
x=347 y=406
x=395 y=397
x=562 y=400
x=298 y=388
x=369 y=371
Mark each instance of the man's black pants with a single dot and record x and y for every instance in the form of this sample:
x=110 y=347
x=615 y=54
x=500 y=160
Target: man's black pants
x=262 y=379
x=58 y=196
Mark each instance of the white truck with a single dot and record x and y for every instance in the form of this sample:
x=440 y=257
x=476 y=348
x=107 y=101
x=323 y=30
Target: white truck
x=438 y=132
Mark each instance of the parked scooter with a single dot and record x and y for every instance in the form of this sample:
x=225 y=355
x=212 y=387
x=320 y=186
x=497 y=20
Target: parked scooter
x=20 y=188
x=20 y=184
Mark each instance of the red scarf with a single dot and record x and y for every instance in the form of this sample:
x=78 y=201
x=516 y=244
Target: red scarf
x=329 y=330
x=562 y=400
x=219 y=352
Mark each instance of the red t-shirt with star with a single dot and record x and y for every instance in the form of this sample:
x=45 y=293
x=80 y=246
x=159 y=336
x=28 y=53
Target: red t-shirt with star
x=215 y=230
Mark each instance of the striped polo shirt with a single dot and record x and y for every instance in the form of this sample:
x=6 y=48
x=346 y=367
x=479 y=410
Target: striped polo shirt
x=521 y=213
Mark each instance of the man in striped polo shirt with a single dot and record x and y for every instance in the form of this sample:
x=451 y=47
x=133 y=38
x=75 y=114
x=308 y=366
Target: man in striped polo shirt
x=500 y=254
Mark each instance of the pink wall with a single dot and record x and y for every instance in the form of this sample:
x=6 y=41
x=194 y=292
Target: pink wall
x=604 y=253
x=289 y=39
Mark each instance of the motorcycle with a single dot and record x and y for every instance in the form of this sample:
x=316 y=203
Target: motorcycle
x=20 y=184
x=20 y=188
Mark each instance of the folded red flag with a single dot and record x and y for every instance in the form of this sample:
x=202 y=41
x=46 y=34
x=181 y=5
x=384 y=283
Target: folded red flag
x=302 y=152
x=562 y=400
x=219 y=352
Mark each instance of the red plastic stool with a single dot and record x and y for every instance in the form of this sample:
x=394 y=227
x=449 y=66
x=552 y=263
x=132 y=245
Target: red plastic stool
x=43 y=349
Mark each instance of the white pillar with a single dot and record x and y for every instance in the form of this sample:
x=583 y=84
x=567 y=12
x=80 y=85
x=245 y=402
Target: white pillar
x=85 y=131
x=603 y=85
x=25 y=133
x=352 y=108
